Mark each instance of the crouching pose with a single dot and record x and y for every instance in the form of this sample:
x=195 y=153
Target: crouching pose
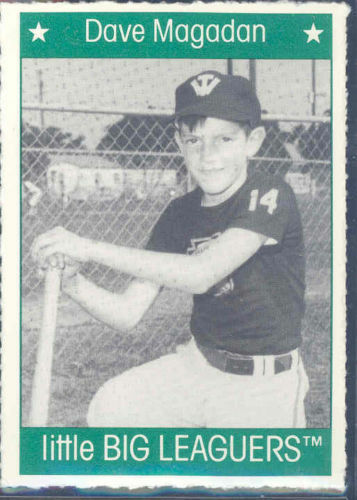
x=235 y=243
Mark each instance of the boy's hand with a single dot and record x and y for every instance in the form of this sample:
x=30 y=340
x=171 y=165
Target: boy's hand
x=63 y=244
x=69 y=270
x=69 y=267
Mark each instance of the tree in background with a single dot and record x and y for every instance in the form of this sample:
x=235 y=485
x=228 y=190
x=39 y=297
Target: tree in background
x=315 y=141
x=144 y=136
x=140 y=133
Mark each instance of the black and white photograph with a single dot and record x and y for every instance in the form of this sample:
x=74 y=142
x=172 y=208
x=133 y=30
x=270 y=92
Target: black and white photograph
x=176 y=243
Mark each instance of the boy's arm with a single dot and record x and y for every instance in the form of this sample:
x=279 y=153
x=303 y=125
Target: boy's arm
x=190 y=273
x=121 y=311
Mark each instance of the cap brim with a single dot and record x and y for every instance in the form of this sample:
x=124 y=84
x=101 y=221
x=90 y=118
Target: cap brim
x=212 y=110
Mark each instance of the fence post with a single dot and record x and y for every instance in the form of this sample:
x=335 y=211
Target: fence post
x=40 y=97
x=253 y=73
x=313 y=85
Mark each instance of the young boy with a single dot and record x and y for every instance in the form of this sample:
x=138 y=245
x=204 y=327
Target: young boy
x=236 y=244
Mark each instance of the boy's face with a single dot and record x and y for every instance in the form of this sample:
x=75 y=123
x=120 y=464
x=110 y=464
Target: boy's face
x=216 y=152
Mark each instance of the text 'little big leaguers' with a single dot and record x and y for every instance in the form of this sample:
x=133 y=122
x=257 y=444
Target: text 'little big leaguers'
x=235 y=243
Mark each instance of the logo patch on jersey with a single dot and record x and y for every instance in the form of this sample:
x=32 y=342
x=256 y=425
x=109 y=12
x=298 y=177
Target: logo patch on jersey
x=198 y=246
x=204 y=84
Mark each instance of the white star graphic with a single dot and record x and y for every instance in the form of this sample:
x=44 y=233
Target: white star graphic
x=38 y=32
x=313 y=34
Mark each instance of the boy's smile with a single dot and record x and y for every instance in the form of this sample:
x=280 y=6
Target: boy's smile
x=216 y=153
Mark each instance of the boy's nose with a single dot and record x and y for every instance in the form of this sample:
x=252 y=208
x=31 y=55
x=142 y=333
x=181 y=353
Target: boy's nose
x=207 y=152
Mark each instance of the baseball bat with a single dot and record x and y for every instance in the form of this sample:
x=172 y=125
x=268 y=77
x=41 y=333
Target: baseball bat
x=42 y=377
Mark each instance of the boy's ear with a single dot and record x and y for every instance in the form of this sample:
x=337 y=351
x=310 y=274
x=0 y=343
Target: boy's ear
x=255 y=140
x=178 y=140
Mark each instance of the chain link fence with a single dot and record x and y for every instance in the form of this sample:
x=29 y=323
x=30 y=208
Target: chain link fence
x=115 y=193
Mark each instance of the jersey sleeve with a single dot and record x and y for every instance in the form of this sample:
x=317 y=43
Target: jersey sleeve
x=265 y=209
x=162 y=238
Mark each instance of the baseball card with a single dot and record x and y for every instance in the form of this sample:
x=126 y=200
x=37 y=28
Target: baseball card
x=174 y=247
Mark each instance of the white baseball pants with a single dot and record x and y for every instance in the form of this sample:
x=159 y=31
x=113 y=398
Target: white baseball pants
x=183 y=390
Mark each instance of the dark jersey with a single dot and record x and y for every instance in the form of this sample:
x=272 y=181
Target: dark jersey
x=257 y=309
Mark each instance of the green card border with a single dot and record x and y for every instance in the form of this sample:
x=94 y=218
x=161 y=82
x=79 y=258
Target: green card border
x=21 y=427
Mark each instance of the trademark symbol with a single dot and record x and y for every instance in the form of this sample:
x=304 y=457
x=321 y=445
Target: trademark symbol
x=312 y=441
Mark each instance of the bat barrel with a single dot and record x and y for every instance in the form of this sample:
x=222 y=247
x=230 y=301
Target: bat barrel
x=43 y=367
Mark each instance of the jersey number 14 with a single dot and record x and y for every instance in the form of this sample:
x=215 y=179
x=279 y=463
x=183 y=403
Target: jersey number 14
x=268 y=199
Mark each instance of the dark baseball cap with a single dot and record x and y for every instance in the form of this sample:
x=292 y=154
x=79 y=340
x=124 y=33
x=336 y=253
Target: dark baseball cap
x=214 y=94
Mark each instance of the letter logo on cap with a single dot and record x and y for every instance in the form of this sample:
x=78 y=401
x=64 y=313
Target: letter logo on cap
x=204 y=84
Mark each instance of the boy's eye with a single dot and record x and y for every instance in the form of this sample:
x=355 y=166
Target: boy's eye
x=191 y=140
x=226 y=139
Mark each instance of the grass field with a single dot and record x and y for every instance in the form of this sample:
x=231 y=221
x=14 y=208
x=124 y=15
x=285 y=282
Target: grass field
x=88 y=353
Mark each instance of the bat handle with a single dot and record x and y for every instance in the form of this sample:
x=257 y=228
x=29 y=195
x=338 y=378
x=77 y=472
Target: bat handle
x=43 y=367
